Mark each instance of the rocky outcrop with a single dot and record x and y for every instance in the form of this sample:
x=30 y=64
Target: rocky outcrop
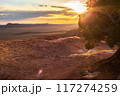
x=60 y=58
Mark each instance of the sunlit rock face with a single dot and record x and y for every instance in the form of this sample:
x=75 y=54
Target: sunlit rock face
x=59 y=58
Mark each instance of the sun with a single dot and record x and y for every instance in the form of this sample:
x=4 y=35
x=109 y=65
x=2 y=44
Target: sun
x=77 y=6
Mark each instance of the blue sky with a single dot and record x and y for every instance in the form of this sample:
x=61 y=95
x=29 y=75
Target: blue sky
x=22 y=11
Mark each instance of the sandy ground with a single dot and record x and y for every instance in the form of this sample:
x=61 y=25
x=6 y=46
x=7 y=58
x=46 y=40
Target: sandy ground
x=63 y=58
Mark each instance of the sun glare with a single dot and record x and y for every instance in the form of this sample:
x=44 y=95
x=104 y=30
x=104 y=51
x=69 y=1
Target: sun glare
x=77 y=6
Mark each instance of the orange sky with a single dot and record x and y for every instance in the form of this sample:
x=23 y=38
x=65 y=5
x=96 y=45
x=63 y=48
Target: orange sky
x=37 y=11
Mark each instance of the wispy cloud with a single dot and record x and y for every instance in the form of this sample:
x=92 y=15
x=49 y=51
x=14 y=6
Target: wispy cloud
x=59 y=7
x=20 y=15
x=36 y=13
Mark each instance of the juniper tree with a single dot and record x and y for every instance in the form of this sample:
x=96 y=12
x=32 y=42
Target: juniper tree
x=102 y=22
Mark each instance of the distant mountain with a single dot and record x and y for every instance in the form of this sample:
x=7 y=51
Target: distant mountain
x=11 y=25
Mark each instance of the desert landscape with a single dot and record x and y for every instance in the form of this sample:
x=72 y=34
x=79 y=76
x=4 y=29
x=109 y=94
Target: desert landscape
x=25 y=31
x=50 y=58
x=60 y=40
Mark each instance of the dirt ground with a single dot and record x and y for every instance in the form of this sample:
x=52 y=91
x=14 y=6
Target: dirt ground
x=57 y=59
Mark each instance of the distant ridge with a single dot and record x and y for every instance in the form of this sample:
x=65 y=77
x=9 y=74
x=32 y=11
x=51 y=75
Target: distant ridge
x=11 y=25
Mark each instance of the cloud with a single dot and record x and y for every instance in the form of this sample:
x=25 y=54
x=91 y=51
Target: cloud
x=19 y=15
x=49 y=15
x=2 y=14
x=1 y=8
x=21 y=12
x=59 y=7
x=43 y=5
x=27 y=7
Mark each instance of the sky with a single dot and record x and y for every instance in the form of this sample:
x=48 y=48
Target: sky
x=40 y=11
